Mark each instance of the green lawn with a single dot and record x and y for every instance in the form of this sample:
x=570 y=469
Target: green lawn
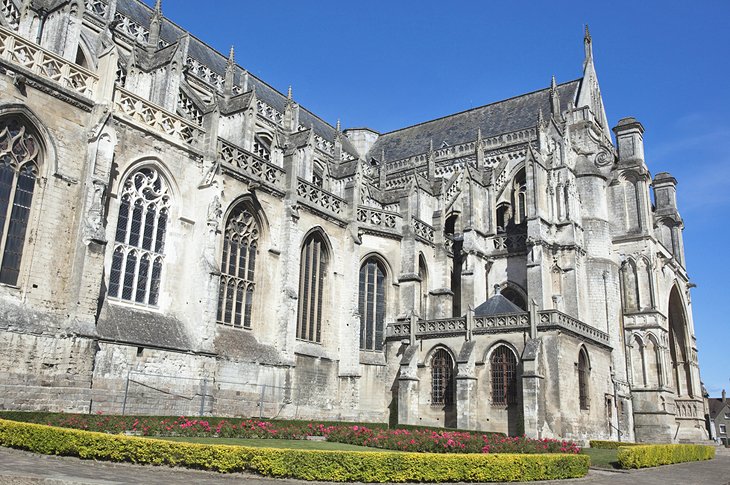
x=273 y=443
x=602 y=458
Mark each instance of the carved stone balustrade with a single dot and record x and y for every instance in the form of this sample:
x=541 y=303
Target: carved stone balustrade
x=97 y=7
x=379 y=219
x=423 y=231
x=502 y=323
x=315 y=196
x=400 y=330
x=688 y=408
x=549 y=319
x=509 y=242
x=251 y=165
x=441 y=327
x=18 y=51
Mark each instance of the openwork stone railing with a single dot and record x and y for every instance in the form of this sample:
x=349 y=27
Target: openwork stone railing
x=554 y=318
x=377 y=217
x=508 y=322
x=496 y=323
x=155 y=117
x=511 y=242
x=250 y=164
x=269 y=112
x=319 y=197
x=423 y=231
x=441 y=326
x=97 y=7
x=17 y=50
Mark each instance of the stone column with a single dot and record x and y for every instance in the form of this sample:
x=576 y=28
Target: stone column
x=532 y=392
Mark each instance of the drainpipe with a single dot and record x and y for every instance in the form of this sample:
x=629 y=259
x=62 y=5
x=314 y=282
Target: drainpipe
x=615 y=402
x=42 y=16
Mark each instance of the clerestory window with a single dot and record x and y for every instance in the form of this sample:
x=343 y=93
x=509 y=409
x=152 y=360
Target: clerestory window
x=20 y=153
x=238 y=265
x=139 y=247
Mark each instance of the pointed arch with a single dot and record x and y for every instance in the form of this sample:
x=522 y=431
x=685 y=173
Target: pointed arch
x=679 y=344
x=372 y=301
x=514 y=293
x=422 y=286
x=629 y=285
x=263 y=144
x=441 y=363
x=241 y=243
x=503 y=368
x=139 y=244
x=314 y=263
x=584 y=373
x=654 y=367
x=21 y=154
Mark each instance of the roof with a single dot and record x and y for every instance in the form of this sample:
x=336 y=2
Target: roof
x=716 y=406
x=493 y=119
x=496 y=305
x=217 y=62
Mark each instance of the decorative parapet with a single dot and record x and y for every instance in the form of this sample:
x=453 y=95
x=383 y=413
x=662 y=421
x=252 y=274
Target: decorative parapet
x=320 y=198
x=400 y=329
x=378 y=218
x=555 y=319
x=502 y=323
x=442 y=326
x=269 y=112
x=150 y=115
x=97 y=7
x=509 y=243
x=16 y=50
x=250 y=164
x=423 y=231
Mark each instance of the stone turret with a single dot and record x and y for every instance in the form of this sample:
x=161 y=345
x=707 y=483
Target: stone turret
x=665 y=193
x=630 y=141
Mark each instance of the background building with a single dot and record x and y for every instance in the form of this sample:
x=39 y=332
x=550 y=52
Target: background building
x=179 y=237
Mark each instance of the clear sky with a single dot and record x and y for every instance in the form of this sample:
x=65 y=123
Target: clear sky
x=387 y=64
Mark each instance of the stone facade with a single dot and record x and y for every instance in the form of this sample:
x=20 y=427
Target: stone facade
x=180 y=237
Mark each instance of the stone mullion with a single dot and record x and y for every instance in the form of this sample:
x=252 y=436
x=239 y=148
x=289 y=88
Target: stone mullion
x=8 y=216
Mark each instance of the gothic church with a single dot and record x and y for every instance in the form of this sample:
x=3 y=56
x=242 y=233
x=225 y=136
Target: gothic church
x=173 y=229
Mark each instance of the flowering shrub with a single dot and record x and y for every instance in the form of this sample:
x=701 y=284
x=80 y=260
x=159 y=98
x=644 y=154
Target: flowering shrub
x=375 y=436
x=446 y=441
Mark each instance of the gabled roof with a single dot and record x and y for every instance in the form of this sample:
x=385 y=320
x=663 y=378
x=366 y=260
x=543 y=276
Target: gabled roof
x=496 y=305
x=716 y=406
x=506 y=116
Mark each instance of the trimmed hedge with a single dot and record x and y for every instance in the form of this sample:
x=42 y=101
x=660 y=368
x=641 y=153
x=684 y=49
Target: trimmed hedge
x=301 y=464
x=644 y=456
x=610 y=445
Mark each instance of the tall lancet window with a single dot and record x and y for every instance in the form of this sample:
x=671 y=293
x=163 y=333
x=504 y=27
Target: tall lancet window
x=372 y=304
x=312 y=275
x=240 y=242
x=19 y=159
x=139 y=247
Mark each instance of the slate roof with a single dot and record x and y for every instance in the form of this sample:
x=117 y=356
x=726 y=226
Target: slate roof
x=496 y=305
x=716 y=406
x=217 y=62
x=505 y=116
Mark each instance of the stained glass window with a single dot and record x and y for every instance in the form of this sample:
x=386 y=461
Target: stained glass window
x=372 y=304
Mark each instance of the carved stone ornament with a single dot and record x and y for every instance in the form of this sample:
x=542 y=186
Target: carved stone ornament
x=94 y=224
x=603 y=158
x=215 y=211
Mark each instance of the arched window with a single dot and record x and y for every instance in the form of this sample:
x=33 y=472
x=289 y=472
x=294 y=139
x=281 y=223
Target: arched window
x=318 y=174
x=504 y=376
x=238 y=264
x=312 y=274
x=262 y=146
x=139 y=246
x=519 y=188
x=442 y=378
x=514 y=296
x=372 y=304
x=19 y=159
x=584 y=372
x=422 y=287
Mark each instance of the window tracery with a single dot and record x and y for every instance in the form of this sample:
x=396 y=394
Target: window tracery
x=19 y=158
x=583 y=376
x=372 y=304
x=262 y=146
x=238 y=264
x=312 y=274
x=442 y=378
x=140 y=238
x=504 y=376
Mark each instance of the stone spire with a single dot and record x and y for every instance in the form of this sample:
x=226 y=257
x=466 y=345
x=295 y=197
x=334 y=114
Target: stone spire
x=155 y=26
x=588 y=45
x=554 y=99
x=230 y=72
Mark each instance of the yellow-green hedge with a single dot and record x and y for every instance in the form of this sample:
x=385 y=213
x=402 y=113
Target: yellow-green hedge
x=301 y=464
x=654 y=455
x=610 y=445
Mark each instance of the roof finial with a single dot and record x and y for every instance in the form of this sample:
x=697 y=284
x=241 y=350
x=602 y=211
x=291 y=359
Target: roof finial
x=288 y=93
x=232 y=56
x=553 y=84
x=158 y=6
x=539 y=117
x=588 y=44
x=338 y=128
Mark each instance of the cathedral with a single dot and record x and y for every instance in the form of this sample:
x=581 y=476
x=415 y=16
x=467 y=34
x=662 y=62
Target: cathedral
x=177 y=236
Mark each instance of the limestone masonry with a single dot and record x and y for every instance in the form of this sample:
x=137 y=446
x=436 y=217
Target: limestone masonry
x=179 y=237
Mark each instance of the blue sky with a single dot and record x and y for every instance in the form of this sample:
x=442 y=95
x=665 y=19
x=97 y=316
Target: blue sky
x=390 y=64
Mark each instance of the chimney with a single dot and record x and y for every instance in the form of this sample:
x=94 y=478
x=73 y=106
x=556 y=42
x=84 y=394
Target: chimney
x=724 y=396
